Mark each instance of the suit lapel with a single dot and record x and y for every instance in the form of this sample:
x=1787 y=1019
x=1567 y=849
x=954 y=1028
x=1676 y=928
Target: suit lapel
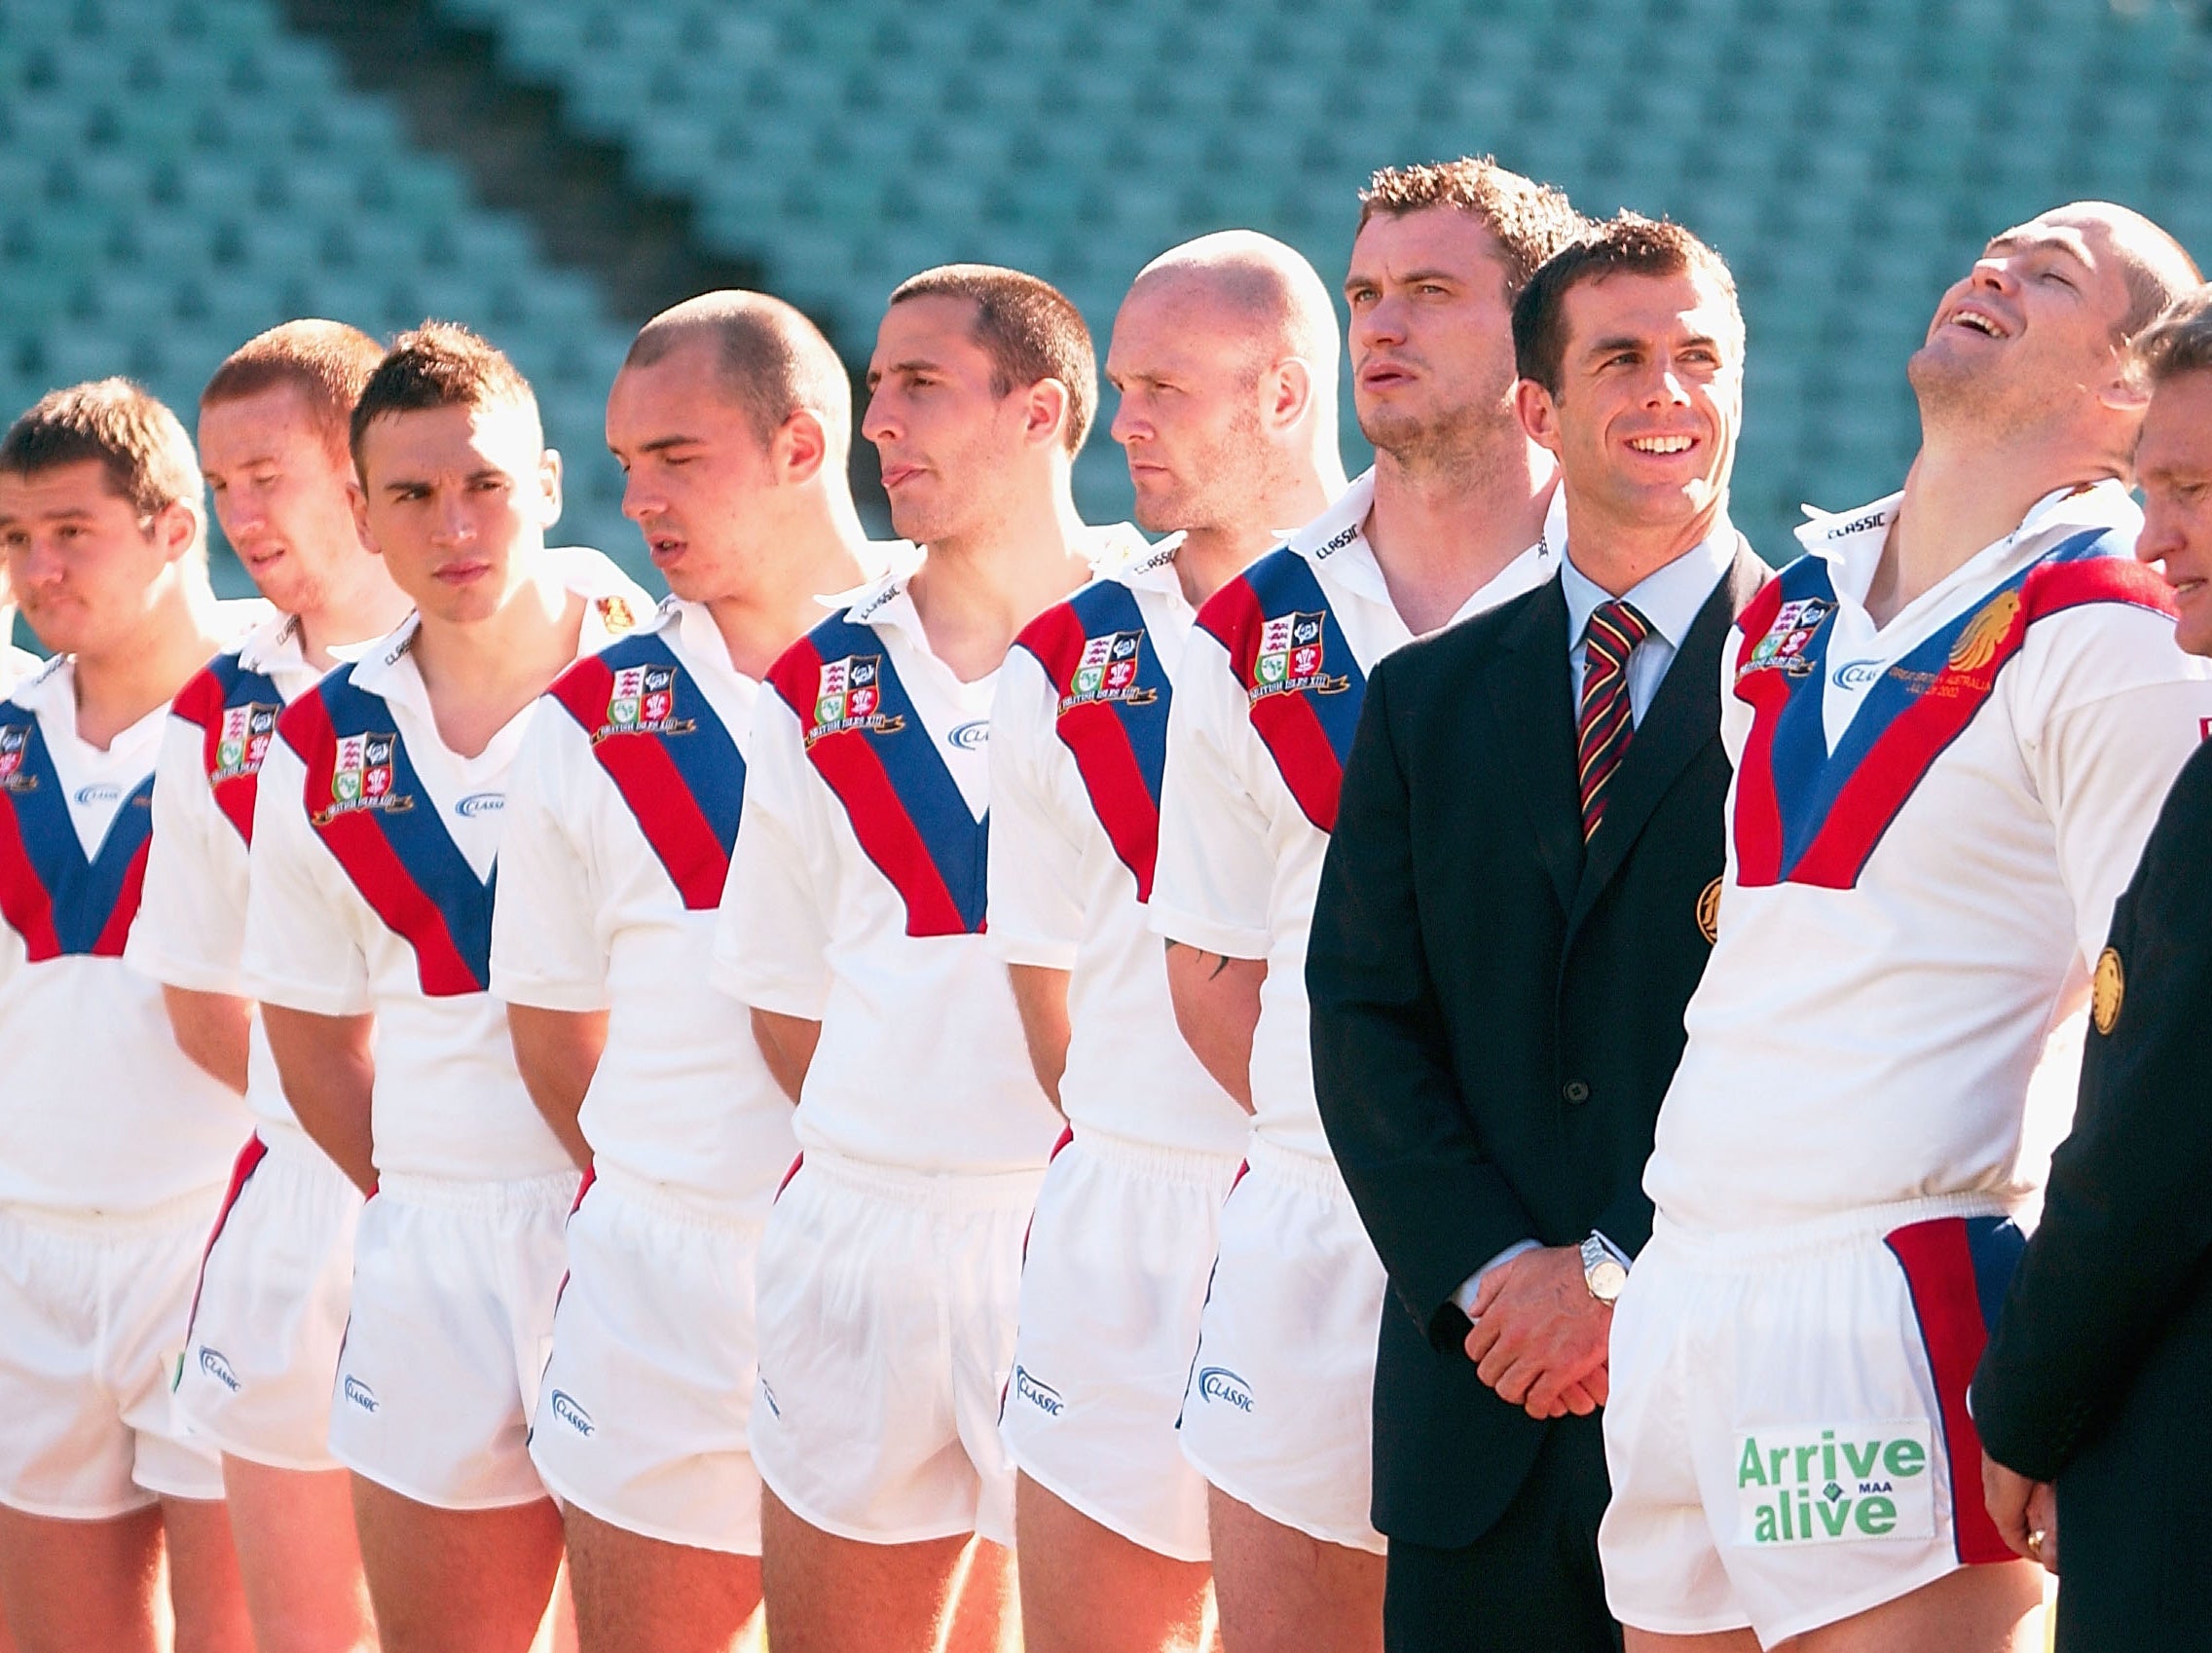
x=1529 y=689
x=1682 y=719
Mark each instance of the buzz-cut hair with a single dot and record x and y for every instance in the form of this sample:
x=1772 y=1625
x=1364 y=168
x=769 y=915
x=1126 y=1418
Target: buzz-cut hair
x=328 y=363
x=1626 y=244
x=772 y=361
x=2180 y=341
x=122 y=427
x=440 y=364
x=1530 y=221
x=1028 y=328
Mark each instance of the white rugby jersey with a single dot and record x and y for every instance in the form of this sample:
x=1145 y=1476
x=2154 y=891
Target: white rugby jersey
x=1928 y=828
x=16 y=664
x=856 y=897
x=1079 y=738
x=1265 y=710
x=190 y=928
x=99 y=1110
x=373 y=852
x=620 y=816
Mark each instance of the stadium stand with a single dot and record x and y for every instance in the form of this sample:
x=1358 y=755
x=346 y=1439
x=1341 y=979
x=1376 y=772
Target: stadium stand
x=177 y=174
x=1846 y=155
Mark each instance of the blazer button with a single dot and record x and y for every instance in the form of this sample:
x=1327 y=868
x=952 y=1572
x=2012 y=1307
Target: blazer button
x=1575 y=1091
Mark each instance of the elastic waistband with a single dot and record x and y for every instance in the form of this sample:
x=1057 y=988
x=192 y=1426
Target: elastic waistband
x=1305 y=1171
x=672 y=1203
x=941 y=1191
x=1148 y=1159
x=1837 y=1231
x=196 y=1209
x=556 y=1190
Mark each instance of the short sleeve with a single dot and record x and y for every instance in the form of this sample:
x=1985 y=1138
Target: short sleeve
x=303 y=949
x=2117 y=709
x=190 y=931
x=1214 y=881
x=1035 y=865
x=548 y=944
x=772 y=934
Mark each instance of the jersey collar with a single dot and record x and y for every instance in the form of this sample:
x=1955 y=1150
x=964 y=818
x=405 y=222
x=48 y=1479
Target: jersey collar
x=1851 y=543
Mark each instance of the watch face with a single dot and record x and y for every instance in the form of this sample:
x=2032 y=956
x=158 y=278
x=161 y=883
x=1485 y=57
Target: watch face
x=1607 y=1280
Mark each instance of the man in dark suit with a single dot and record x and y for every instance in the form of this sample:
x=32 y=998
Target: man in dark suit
x=2093 y=1380
x=1518 y=899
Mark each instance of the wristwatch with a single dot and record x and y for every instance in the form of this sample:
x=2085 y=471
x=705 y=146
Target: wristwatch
x=1603 y=1270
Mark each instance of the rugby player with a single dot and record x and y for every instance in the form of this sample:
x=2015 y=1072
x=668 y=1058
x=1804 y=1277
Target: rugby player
x=271 y=1303
x=368 y=935
x=732 y=419
x=853 y=926
x=113 y=1145
x=1953 y=723
x=1225 y=354
x=1451 y=520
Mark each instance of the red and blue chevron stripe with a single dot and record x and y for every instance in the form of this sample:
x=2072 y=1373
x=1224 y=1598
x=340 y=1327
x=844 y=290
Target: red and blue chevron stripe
x=1808 y=815
x=62 y=902
x=403 y=861
x=1120 y=745
x=222 y=684
x=685 y=789
x=904 y=804
x=1306 y=731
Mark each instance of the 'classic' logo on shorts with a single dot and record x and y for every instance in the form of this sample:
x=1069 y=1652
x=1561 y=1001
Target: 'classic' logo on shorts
x=574 y=1416
x=1811 y=1484
x=1219 y=1383
x=1043 y=1396
x=212 y=1363
x=360 y=1394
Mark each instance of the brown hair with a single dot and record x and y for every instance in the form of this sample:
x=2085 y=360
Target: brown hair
x=773 y=360
x=135 y=438
x=440 y=364
x=1027 y=327
x=1530 y=221
x=1628 y=243
x=2180 y=341
x=328 y=362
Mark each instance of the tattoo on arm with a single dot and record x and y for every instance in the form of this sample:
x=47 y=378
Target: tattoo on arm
x=1220 y=960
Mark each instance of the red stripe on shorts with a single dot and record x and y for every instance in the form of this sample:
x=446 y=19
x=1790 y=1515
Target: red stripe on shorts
x=1938 y=1271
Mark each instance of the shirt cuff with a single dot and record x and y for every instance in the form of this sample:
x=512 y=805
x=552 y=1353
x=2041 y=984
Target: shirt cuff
x=1470 y=1287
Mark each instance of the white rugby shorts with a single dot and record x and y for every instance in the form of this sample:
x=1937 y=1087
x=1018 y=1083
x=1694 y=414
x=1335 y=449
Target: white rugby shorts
x=93 y=1310
x=271 y=1308
x=1120 y=1253
x=887 y=1304
x=1278 y=1414
x=454 y=1286
x=642 y=1414
x=1788 y=1423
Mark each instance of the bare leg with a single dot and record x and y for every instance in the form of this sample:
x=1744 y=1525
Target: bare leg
x=637 y=1595
x=81 y=1585
x=1088 y=1590
x=300 y=1561
x=830 y=1594
x=1983 y=1610
x=1723 y=1641
x=444 y=1581
x=1283 y=1592
x=987 y=1603
x=204 y=1587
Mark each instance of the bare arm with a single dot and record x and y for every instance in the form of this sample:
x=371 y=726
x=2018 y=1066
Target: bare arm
x=1217 y=1005
x=1041 y=995
x=558 y=1052
x=787 y=1043
x=329 y=1069
x=211 y=1029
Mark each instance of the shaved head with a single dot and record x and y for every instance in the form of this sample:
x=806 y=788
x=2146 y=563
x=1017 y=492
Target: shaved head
x=2157 y=268
x=773 y=361
x=1257 y=283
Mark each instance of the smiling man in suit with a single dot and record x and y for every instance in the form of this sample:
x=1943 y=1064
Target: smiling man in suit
x=1515 y=908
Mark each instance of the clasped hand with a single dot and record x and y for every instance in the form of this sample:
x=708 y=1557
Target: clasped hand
x=1539 y=1337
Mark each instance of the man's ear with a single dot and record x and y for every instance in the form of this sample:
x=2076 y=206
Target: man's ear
x=1539 y=413
x=1045 y=417
x=800 y=447
x=2127 y=388
x=357 y=498
x=1287 y=391
x=549 y=486
x=176 y=529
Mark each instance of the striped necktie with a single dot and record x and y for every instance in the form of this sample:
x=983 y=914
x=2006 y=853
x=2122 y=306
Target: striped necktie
x=1602 y=730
